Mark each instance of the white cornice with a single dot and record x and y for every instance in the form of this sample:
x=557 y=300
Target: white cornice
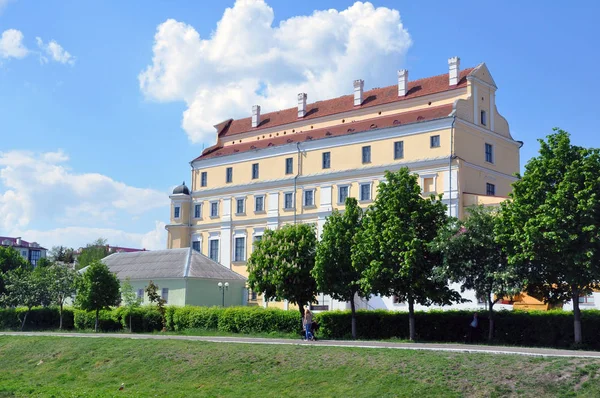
x=488 y=132
x=489 y=171
x=478 y=80
x=329 y=142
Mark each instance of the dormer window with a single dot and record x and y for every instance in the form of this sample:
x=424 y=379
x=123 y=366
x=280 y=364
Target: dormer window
x=483 y=118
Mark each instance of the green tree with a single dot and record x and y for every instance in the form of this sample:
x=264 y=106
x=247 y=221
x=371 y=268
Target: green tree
x=25 y=287
x=43 y=263
x=94 y=251
x=280 y=265
x=62 y=284
x=154 y=297
x=550 y=225
x=474 y=258
x=10 y=259
x=396 y=245
x=335 y=272
x=62 y=254
x=130 y=299
x=98 y=288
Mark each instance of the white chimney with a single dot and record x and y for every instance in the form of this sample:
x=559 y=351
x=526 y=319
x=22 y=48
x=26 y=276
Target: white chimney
x=453 y=70
x=18 y=241
x=358 y=92
x=255 y=115
x=402 y=82
x=301 y=105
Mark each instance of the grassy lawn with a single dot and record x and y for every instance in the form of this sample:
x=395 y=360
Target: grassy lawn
x=82 y=367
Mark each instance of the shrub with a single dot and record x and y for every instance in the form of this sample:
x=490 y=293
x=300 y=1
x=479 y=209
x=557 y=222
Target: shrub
x=108 y=321
x=143 y=319
x=39 y=318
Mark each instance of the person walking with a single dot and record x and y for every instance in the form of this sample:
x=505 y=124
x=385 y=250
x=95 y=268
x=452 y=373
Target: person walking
x=473 y=328
x=307 y=321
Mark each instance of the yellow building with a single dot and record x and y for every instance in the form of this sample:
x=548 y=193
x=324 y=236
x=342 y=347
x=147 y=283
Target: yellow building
x=298 y=164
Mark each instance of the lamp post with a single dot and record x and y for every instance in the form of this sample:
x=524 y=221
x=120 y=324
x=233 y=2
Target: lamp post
x=222 y=288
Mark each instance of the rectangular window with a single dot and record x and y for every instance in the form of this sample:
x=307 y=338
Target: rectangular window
x=366 y=154
x=239 y=209
x=288 y=199
x=259 y=203
x=326 y=160
x=342 y=194
x=586 y=299
x=229 y=175
x=289 y=165
x=213 y=249
x=257 y=238
x=428 y=185
x=176 y=211
x=398 y=149
x=197 y=211
x=309 y=198
x=240 y=249
x=203 y=179
x=490 y=189
x=483 y=118
x=435 y=141
x=165 y=294
x=35 y=256
x=252 y=296
x=255 y=171
x=140 y=294
x=365 y=191
x=196 y=246
x=489 y=153
x=214 y=209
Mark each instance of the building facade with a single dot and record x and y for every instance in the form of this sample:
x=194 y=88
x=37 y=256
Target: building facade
x=30 y=251
x=298 y=164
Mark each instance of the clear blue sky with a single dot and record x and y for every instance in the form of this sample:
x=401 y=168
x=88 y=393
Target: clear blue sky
x=91 y=109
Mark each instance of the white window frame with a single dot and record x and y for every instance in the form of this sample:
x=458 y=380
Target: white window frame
x=210 y=240
x=362 y=154
x=360 y=190
x=177 y=212
x=338 y=193
x=422 y=179
x=243 y=199
x=200 y=212
x=211 y=208
x=239 y=235
x=313 y=191
x=263 y=203
x=293 y=204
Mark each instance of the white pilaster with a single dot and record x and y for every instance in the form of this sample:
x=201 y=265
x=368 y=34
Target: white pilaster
x=226 y=233
x=492 y=109
x=476 y=119
x=273 y=210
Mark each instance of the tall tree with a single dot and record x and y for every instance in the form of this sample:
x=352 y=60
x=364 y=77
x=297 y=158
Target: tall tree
x=98 y=288
x=280 y=265
x=130 y=299
x=474 y=258
x=94 y=251
x=10 y=259
x=154 y=297
x=62 y=284
x=25 y=287
x=551 y=223
x=335 y=272
x=62 y=254
x=396 y=245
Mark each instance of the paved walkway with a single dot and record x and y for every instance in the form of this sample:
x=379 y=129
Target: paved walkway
x=545 y=352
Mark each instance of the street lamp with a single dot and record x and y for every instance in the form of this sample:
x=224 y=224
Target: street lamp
x=222 y=288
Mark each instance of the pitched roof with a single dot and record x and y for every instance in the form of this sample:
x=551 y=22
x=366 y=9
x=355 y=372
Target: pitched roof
x=24 y=243
x=170 y=263
x=417 y=116
x=374 y=97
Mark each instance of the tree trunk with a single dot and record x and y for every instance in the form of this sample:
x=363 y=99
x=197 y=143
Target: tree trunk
x=577 y=317
x=96 y=326
x=60 y=317
x=353 y=309
x=491 y=320
x=411 y=318
x=130 y=328
x=301 y=309
x=25 y=319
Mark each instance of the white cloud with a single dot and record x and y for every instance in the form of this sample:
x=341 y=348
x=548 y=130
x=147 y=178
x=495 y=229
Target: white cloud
x=3 y=4
x=40 y=189
x=11 y=44
x=248 y=61
x=55 y=51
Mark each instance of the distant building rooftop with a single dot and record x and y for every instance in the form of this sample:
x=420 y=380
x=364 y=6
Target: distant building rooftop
x=19 y=243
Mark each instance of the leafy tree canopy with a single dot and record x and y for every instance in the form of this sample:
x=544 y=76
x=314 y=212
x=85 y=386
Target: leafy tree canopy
x=98 y=289
x=62 y=254
x=10 y=259
x=27 y=288
x=94 y=251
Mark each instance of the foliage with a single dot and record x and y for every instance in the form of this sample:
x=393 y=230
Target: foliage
x=280 y=265
x=39 y=318
x=550 y=225
x=130 y=300
x=335 y=272
x=474 y=258
x=43 y=263
x=153 y=296
x=62 y=254
x=61 y=284
x=395 y=243
x=98 y=289
x=10 y=259
x=27 y=288
x=94 y=251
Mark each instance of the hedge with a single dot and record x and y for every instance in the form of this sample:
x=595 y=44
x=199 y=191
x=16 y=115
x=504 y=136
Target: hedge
x=535 y=328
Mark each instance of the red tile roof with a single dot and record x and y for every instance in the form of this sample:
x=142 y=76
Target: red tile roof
x=416 y=116
x=374 y=97
x=24 y=243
